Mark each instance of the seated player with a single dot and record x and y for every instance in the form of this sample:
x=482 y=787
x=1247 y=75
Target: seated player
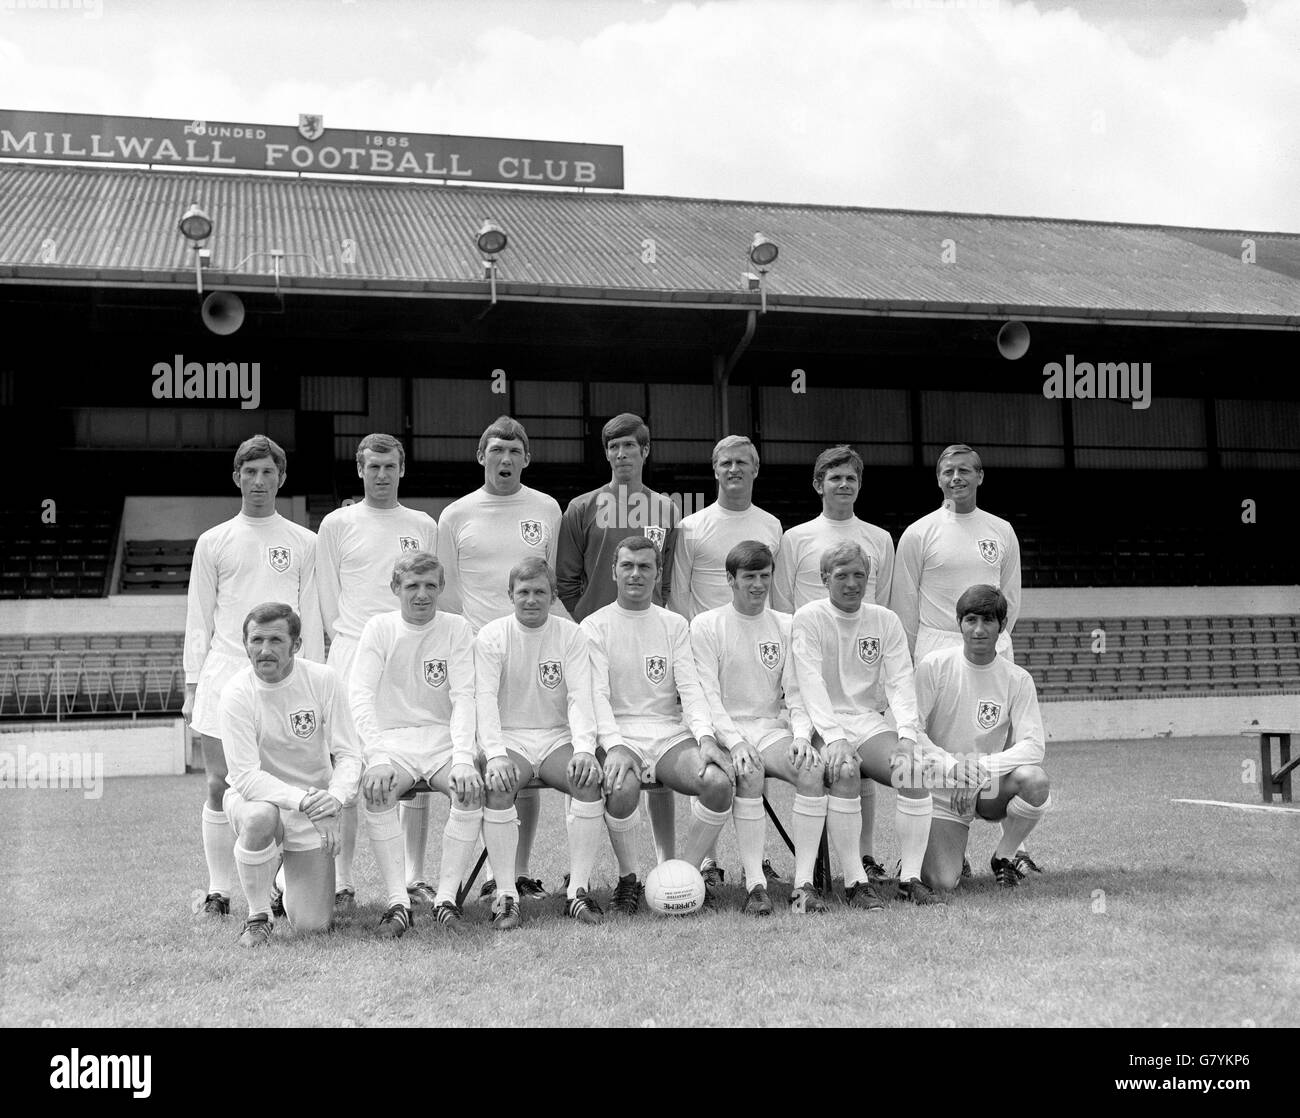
x=281 y=719
x=535 y=718
x=853 y=664
x=641 y=663
x=412 y=697
x=980 y=713
x=742 y=653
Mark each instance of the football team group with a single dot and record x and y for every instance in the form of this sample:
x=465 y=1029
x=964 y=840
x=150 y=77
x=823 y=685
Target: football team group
x=616 y=652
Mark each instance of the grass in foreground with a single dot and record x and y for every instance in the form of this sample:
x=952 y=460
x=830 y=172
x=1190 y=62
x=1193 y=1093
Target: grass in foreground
x=1150 y=913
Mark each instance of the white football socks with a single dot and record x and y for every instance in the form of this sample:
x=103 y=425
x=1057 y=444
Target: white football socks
x=661 y=807
x=867 y=797
x=912 y=820
x=809 y=821
x=501 y=835
x=414 y=815
x=528 y=803
x=1022 y=817
x=584 y=826
x=218 y=851
x=622 y=837
x=257 y=875
x=751 y=827
x=385 y=830
x=706 y=825
x=459 y=841
x=347 y=848
x=843 y=833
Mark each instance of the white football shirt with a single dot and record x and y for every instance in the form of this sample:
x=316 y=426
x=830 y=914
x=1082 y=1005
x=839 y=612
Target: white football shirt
x=699 y=560
x=797 y=579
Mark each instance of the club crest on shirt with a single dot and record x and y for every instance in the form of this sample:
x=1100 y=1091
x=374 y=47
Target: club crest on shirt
x=409 y=543
x=770 y=653
x=988 y=713
x=656 y=668
x=303 y=723
x=532 y=532
x=989 y=551
x=655 y=535
x=435 y=672
x=868 y=649
x=280 y=558
x=550 y=673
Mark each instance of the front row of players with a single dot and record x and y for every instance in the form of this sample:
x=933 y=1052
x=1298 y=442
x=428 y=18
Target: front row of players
x=823 y=700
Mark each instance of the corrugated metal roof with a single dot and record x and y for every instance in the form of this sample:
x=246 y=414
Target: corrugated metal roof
x=99 y=224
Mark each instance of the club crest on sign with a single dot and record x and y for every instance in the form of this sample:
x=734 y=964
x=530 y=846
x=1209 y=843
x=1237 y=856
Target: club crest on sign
x=550 y=673
x=868 y=649
x=311 y=126
x=989 y=551
x=655 y=535
x=988 y=714
x=409 y=543
x=435 y=672
x=280 y=558
x=532 y=532
x=656 y=668
x=770 y=653
x=303 y=722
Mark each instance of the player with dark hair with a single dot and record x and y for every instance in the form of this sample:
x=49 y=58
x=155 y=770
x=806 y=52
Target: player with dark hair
x=535 y=718
x=641 y=665
x=852 y=662
x=590 y=531
x=355 y=550
x=742 y=653
x=837 y=478
x=979 y=717
x=481 y=536
x=257 y=556
x=956 y=546
x=412 y=696
x=282 y=720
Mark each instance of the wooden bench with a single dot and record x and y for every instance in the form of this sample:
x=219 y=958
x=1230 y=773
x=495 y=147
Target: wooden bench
x=1274 y=781
x=821 y=872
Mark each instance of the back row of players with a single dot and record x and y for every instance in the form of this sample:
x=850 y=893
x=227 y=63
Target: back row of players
x=344 y=578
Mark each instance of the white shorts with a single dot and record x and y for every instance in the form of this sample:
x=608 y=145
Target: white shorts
x=650 y=741
x=763 y=733
x=932 y=640
x=860 y=726
x=217 y=669
x=343 y=651
x=943 y=812
x=419 y=751
x=300 y=833
x=534 y=746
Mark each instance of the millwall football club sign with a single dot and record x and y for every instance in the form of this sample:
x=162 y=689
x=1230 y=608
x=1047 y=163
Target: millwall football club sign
x=309 y=147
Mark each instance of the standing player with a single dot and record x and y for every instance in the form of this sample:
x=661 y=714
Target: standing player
x=480 y=538
x=256 y=556
x=956 y=546
x=699 y=577
x=535 y=718
x=354 y=561
x=852 y=663
x=980 y=713
x=837 y=478
x=742 y=653
x=590 y=531
x=282 y=719
x=641 y=665
x=412 y=697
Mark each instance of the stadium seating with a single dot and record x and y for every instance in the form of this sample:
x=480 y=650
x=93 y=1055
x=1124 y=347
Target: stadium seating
x=157 y=566
x=70 y=558
x=1146 y=656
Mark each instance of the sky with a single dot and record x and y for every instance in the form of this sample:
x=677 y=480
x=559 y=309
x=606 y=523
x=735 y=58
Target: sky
x=1179 y=112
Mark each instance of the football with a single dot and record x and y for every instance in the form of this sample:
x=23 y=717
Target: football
x=674 y=888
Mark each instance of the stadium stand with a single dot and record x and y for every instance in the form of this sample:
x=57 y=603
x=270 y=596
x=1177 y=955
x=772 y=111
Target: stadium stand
x=71 y=558
x=157 y=566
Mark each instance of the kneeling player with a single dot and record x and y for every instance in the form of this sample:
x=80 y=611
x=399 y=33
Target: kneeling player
x=281 y=719
x=852 y=662
x=413 y=700
x=980 y=712
x=641 y=663
x=742 y=653
x=535 y=718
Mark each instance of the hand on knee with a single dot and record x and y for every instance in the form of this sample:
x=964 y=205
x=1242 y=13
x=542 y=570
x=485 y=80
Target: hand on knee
x=749 y=786
x=496 y=800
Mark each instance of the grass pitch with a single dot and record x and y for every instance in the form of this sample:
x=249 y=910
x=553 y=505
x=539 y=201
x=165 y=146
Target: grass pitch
x=1150 y=913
